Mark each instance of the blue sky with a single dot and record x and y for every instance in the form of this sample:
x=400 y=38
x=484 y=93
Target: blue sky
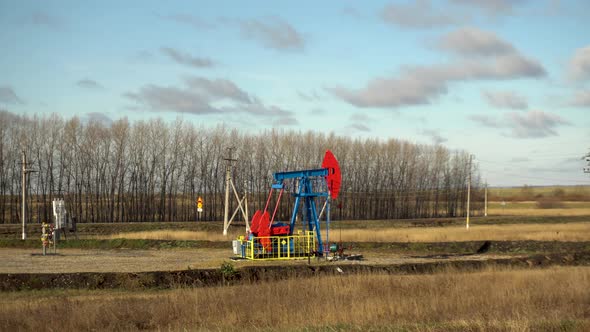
x=508 y=81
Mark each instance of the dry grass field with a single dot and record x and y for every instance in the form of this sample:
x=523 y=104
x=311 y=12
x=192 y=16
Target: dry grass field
x=531 y=208
x=528 y=193
x=555 y=299
x=121 y=260
x=77 y=260
x=507 y=232
x=488 y=299
x=539 y=212
x=176 y=235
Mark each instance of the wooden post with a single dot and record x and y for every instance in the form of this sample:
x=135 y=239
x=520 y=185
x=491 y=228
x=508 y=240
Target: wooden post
x=485 y=208
x=228 y=169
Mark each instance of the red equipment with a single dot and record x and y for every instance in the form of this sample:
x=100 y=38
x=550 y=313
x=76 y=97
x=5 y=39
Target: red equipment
x=334 y=177
x=262 y=223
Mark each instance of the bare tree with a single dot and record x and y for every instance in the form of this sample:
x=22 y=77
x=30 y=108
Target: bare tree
x=154 y=170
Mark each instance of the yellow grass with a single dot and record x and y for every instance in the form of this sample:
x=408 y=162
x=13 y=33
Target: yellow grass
x=530 y=208
x=16 y=260
x=521 y=193
x=505 y=300
x=538 y=212
x=508 y=232
x=175 y=235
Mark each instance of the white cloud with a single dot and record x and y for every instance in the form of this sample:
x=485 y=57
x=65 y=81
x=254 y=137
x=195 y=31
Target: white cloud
x=318 y=111
x=97 y=117
x=142 y=56
x=271 y=32
x=274 y=33
x=392 y=92
x=360 y=117
x=532 y=124
x=492 y=7
x=579 y=65
x=89 y=84
x=505 y=99
x=418 y=15
x=286 y=121
x=199 y=96
x=186 y=59
x=8 y=96
x=218 y=88
x=422 y=84
x=45 y=20
x=472 y=41
x=191 y=20
x=158 y=98
x=434 y=135
x=581 y=99
x=351 y=12
x=360 y=127
x=360 y=122
x=486 y=121
x=417 y=85
x=313 y=95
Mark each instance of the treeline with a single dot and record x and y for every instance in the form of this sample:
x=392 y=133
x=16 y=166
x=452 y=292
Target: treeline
x=154 y=171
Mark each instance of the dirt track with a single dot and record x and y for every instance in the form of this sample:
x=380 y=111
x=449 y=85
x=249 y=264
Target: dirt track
x=215 y=277
x=120 y=260
x=26 y=268
x=127 y=260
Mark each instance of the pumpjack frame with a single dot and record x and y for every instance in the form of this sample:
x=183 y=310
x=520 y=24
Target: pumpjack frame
x=269 y=240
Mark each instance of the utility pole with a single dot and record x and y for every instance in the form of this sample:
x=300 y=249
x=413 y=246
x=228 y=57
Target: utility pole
x=246 y=204
x=25 y=171
x=468 y=191
x=242 y=202
x=485 y=209
x=228 y=169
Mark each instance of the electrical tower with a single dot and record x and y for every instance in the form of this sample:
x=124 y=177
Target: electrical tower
x=25 y=171
x=485 y=201
x=468 y=190
x=229 y=183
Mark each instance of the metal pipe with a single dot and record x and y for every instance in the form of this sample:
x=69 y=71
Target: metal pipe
x=226 y=212
x=276 y=207
x=268 y=200
x=24 y=197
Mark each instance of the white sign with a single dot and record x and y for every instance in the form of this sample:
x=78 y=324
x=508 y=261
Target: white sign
x=59 y=213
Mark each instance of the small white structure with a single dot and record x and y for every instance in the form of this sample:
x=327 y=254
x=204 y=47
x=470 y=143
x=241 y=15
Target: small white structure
x=59 y=213
x=236 y=246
